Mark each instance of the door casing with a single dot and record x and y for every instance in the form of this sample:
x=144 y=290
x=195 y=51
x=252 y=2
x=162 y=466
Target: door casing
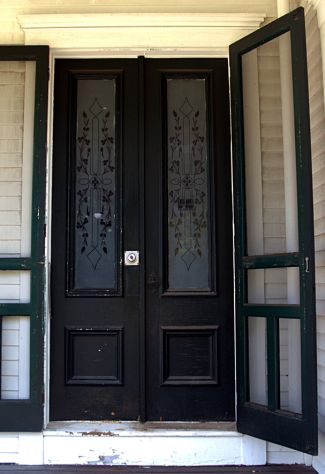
x=54 y=55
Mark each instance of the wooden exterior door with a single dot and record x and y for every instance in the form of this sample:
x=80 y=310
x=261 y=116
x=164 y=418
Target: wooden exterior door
x=142 y=163
x=188 y=242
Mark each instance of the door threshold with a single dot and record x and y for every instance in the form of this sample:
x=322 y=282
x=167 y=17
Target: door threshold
x=136 y=428
x=162 y=443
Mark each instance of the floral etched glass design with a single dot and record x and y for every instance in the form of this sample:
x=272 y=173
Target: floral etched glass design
x=188 y=185
x=95 y=185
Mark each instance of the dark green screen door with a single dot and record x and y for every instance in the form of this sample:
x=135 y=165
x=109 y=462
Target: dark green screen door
x=275 y=286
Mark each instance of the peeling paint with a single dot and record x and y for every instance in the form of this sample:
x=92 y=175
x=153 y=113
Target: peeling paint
x=97 y=433
x=106 y=460
x=109 y=459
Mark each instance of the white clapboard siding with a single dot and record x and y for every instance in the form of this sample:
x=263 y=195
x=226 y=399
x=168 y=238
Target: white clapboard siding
x=16 y=131
x=12 y=91
x=265 y=224
x=280 y=455
x=15 y=358
x=10 y=378
x=275 y=290
x=15 y=287
x=12 y=79
x=272 y=147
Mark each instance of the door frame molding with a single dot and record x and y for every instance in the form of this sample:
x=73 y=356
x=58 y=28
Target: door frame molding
x=73 y=54
x=140 y=33
x=96 y=54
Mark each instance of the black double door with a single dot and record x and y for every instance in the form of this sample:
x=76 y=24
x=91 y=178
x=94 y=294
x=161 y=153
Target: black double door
x=141 y=266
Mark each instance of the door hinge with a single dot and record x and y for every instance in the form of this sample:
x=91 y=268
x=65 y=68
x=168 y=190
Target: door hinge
x=44 y=230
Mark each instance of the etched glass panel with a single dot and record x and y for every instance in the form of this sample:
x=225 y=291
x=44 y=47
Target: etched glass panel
x=95 y=186
x=188 y=185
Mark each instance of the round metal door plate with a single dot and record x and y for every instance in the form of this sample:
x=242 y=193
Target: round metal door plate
x=131 y=257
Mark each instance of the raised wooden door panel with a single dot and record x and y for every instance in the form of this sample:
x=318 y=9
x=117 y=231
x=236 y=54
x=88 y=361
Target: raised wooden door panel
x=94 y=350
x=189 y=303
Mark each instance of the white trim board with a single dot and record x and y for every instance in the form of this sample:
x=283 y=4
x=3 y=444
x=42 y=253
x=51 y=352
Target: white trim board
x=145 y=31
x=102 y=20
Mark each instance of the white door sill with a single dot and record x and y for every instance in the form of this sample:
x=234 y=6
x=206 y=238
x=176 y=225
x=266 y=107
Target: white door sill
x=135 y=428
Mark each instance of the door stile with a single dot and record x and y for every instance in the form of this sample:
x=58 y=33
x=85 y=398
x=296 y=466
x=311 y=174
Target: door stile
x=305 y=223
x=142 y=271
